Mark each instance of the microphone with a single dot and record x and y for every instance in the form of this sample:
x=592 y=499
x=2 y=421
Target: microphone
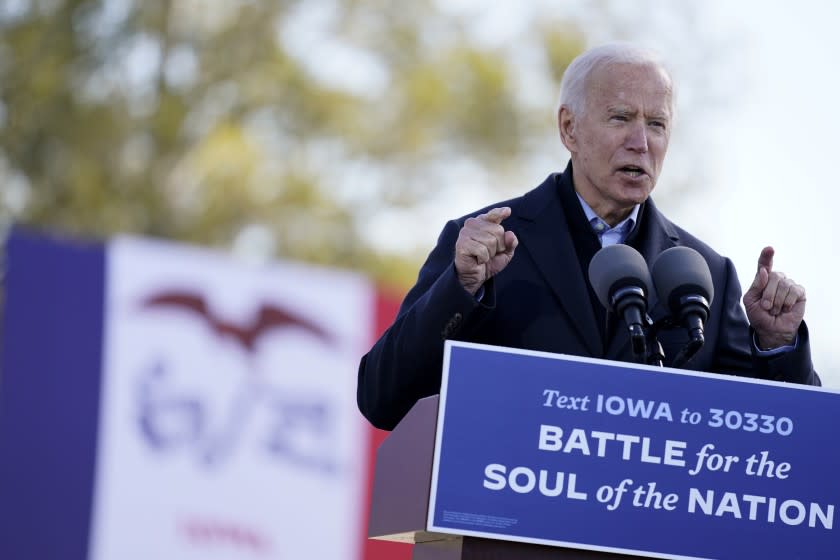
x=683 y=281
x=620 y=278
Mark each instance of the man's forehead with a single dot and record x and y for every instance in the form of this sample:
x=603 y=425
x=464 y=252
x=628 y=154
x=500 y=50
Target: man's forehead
x=626 y=86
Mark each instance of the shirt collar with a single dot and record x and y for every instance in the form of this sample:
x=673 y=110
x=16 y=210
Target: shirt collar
x=624 y=225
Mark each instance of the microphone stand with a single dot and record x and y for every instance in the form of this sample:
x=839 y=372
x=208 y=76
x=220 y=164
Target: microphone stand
x=655 y=353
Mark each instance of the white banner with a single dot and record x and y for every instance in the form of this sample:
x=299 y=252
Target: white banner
x=228 y=421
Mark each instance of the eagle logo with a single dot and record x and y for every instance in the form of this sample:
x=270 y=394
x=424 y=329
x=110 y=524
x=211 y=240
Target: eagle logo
x=268 y=317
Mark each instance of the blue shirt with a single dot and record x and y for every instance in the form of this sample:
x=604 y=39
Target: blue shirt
x=609 y=235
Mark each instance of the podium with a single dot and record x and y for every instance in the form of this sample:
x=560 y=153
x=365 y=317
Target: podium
x=533 y=456
x=399 y=507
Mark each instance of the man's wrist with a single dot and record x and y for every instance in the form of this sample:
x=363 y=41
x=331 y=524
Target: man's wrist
x=780 y=345
x=774 y=342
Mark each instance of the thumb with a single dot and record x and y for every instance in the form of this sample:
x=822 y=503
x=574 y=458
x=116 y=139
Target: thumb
x=762 y=277
x=765 y=259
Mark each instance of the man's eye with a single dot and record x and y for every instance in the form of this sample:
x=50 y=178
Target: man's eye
x=658 y=124
x=621 y=118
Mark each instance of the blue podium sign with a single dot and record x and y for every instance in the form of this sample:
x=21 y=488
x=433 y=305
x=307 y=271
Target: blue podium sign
x=656 y=462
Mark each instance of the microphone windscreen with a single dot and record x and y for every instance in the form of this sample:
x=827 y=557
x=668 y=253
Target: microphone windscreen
x=616 y=266
x=680 y=271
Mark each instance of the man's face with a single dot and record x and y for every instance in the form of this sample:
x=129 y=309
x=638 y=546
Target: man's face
x=618 y=145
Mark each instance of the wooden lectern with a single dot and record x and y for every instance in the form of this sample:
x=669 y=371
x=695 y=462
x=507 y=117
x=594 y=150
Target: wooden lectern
x=399 y=507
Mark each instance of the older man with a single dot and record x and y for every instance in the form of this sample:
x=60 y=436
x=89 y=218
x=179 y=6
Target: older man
x=514 y=274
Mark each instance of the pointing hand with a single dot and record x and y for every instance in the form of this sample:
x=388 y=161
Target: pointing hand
x=483 y=248
x=775 y=304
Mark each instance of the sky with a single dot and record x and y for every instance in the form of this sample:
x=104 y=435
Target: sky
x=776 y=182
x=763 y=125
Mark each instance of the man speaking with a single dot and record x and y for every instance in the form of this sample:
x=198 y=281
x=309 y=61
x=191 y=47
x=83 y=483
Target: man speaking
x=515 y=274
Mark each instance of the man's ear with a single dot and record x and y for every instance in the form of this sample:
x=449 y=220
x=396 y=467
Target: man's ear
x=566 y=124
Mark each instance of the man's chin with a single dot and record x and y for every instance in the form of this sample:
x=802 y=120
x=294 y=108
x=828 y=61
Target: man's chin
x=636 y=192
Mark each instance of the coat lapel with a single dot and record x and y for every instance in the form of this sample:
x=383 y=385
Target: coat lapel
x=544 y=233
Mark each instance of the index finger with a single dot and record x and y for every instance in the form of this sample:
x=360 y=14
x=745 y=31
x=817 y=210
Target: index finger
x=765 y=260
x=496 y=215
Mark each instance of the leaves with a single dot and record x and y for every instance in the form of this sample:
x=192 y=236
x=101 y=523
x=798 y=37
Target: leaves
x=207 y=122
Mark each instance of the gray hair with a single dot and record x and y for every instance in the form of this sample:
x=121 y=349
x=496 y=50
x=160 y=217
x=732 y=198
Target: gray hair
x=573 y=84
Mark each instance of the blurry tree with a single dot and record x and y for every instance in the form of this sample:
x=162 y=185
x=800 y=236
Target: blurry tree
x=282 y=124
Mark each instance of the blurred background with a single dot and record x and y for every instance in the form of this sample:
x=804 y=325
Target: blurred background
x=347 y=132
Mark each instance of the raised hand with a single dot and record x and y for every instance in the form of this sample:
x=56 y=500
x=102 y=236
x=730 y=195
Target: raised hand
x=775 y=304
x=483 y=248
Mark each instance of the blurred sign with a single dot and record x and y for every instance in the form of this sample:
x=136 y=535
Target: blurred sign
x=615 y=457
x=161 y=401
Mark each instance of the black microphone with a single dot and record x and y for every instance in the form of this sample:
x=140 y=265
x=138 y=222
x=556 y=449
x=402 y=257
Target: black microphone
x=621 y=280
x=683 y=281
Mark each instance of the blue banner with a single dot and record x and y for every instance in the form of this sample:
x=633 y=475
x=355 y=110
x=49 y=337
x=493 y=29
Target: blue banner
x=664 y=463
x=49 y=398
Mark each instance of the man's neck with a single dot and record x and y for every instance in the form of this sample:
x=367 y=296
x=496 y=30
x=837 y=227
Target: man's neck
x=607 y=212
x=593 y=217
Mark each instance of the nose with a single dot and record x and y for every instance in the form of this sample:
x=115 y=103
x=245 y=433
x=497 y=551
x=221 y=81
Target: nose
x=637 y=138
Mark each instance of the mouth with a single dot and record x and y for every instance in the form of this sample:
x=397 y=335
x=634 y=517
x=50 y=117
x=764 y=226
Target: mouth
x=633 y=171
